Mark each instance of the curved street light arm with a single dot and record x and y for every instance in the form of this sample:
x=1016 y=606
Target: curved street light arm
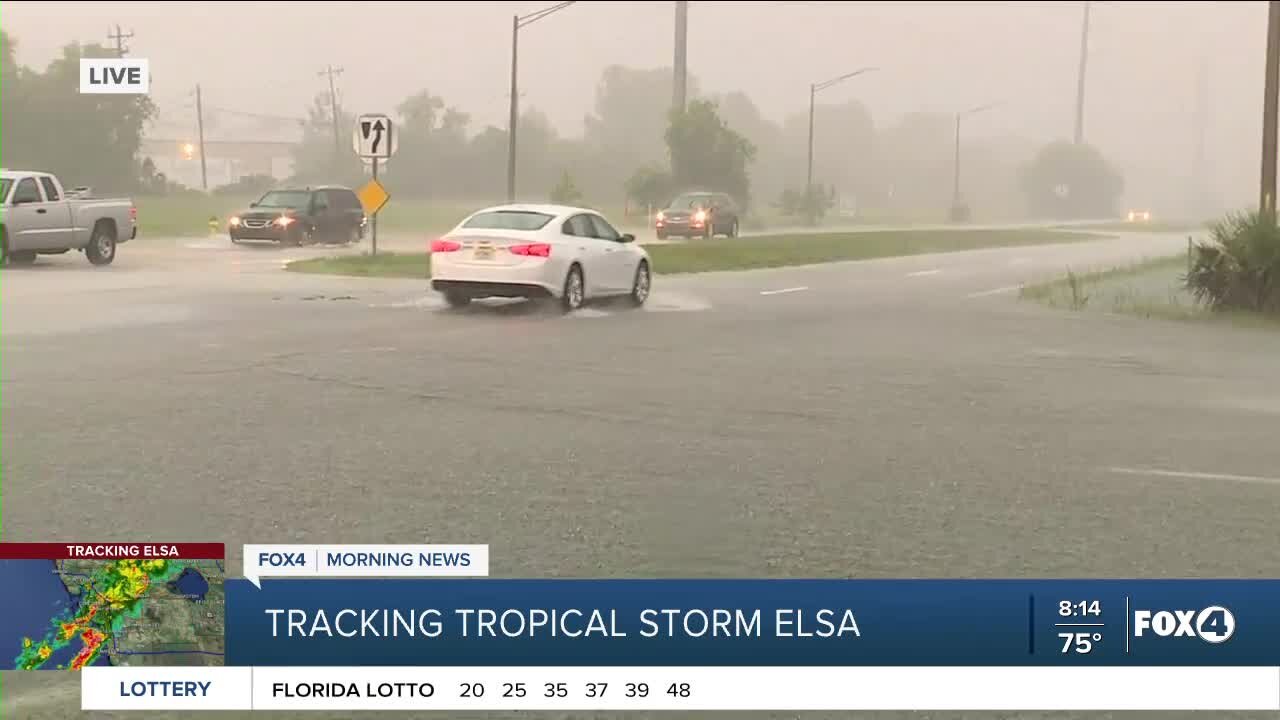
x=539 y=14
x=842 y=78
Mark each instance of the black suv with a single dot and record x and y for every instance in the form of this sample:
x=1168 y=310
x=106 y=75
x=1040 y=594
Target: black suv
x=328 y=214
x=698 y=214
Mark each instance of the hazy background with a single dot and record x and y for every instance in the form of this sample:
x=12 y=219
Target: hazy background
x=936 y=56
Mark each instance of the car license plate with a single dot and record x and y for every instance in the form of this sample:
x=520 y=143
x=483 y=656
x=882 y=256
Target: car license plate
x=484 y=252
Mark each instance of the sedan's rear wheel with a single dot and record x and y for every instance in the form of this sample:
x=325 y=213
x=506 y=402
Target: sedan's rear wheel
x=22 y=257
x=574 y=290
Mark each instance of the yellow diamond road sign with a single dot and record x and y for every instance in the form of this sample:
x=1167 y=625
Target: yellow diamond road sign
x=372 y=196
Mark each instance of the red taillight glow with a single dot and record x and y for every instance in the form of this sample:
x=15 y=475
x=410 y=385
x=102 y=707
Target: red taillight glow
x=532 y=250
x=445 y=246
x=133 y=213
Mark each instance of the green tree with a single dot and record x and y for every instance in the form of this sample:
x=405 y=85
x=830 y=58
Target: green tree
x=84 y=139
x=1068 y=181
x=913 y=163
x=565 y=192
x=649 y=187
x=630 y=114
x=432 y=140
x=706 y=153
x=319 y=158
x=781 y=157
x=811 y=204
x=844 y=147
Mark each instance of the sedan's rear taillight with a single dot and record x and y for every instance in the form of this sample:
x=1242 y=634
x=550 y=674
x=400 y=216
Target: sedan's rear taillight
x=532 y=250
x=133 y=213
x=445 y=246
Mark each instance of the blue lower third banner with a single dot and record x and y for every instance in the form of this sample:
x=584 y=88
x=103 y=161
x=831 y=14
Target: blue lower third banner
x=492 y=622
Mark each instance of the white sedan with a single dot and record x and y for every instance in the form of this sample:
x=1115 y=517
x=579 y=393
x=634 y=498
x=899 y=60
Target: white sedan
x=564 y=253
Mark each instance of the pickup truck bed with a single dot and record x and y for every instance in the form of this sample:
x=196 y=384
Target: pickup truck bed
x=39 y=217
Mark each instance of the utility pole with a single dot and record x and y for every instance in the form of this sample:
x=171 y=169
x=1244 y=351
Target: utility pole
x=204 y=171
x=1270 y=105
x=119 y=39
x=332 y=72
x=1080 y=75
x=680 y=64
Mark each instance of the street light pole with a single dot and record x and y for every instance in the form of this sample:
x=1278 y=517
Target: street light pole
x=955 y=187
x=514 y=118
x=513 y=121
x=813 y=91
x=955 y=165
x=808 y=182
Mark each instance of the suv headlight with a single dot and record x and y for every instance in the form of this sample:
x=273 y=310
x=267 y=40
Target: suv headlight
x=284 y=221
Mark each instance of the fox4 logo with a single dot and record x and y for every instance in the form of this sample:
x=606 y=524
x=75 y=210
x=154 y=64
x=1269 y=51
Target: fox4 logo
x=1214 y=624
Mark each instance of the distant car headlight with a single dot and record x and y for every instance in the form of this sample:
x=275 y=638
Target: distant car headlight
x=700 y=216
x=234 y=221
x=661 y=216
x=284 y=221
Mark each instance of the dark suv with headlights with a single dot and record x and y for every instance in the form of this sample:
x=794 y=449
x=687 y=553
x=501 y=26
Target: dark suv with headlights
x=328 y=214
x=698 y=214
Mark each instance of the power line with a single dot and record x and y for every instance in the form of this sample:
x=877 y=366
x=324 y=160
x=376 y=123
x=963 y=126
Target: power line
x=260 y=116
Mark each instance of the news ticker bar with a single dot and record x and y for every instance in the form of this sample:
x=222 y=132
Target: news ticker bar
x=682 y=688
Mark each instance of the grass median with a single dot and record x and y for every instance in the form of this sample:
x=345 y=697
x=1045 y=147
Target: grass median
x=1152 y=288
x=1168 y=226
x=764 y=251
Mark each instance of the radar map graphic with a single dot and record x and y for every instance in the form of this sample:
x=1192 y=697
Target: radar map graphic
x=69 y=614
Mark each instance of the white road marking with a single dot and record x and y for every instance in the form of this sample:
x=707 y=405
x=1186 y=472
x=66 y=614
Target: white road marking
x=923 y=273
x=784 y=290
x=1195 y=475
x=996 y=291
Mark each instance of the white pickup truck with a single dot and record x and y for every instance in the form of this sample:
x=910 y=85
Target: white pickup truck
x=39 y=217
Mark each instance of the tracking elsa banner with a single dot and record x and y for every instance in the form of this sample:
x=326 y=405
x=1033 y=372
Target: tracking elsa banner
x=738 y=623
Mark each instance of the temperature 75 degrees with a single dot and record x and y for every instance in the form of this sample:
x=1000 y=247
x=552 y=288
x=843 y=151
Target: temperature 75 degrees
x=1080 y=643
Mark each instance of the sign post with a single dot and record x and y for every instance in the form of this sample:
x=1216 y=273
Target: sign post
x=374 y=139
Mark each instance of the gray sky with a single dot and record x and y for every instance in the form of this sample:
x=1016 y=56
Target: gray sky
x=264 y=56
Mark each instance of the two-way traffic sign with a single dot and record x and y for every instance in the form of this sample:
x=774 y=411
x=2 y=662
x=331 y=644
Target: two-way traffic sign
x=374 y=137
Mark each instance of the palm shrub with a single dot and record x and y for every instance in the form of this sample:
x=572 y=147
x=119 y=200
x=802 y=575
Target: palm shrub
x=1238 y=267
